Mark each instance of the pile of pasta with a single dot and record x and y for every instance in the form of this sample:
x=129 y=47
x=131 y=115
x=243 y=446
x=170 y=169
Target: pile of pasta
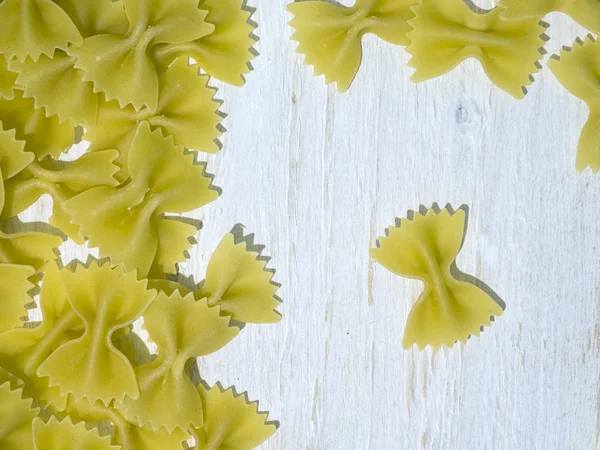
x=117 y=74
x=508 y=41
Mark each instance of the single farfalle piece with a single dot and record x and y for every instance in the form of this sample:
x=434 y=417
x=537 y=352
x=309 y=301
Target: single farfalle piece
x=16 y=416
x=65 y=435
x=14 y=288
x=425 y=247
x=578 y=70
x=585 y=12
x=182 y=329
x=224 y=54
x=30 y=28
x=47 y=80
x=329 y=35
x=44 y=136
x=231 y=421
x=125 y=222
x=121 y=65
x=61 y=180
x=187 y=111
x=22 y=350
x=105 y=299
x=445 y=33
x=239 y=283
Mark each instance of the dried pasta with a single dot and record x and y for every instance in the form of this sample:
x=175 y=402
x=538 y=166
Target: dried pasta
x=65 y=435
x=231 y=421
x=121 y=66
x=182 y=328
x=329 y=35
x=186 y=111
x=585 y=12
x=446 y=33
x=425 y=247
x=117 y=73
x=163 y=180
x=577 y=69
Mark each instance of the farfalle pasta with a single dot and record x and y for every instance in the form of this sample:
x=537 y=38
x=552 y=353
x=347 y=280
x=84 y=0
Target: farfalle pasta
x=585 y=12
x=187 y=111
x=182 y=328
x=329 y=35
x=140 y=105
x=230 y=421
x=127 y=222
x=425 y=247
x=446 y=33
x=577 y=69
x=121 y=65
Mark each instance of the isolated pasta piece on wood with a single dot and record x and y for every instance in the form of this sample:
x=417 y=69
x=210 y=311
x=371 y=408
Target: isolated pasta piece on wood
x=425 y=247
x=14 y=288
x=446 y=33
x=123 y=221
x=578 y=70
x=64 y=435
x=329 y=35
x=16 y=415
x=187 y=111
x=224 y=54
x=585 y=12
x=105 y=299
x=231 y=421
x=121 y=66
x=44 y=136
x=182 y=329
x=236 y=281
x=30 y=28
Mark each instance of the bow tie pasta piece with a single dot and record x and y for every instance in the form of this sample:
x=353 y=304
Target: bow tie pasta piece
x=96 y=16
x=446 y=33
x=329 y=35
x=231 y=421
x=578 y=70
x=237 y=281
x=224 y=54
x=16 y=415
x=105 y=299
x=121 y=66
x=14 y=288
x=61 y=181
x=425 y=248
x=47 y=80
x=33 y=28
x=123 y=222
x=182 y=328
x=187 y=111
x=44 y=136
x=64 y=435
x=585 y=12
x=22 y=350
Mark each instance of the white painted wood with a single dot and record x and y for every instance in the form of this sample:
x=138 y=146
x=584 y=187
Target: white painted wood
x=317 y=176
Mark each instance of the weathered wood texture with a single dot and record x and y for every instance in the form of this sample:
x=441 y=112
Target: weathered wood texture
x=317 y=176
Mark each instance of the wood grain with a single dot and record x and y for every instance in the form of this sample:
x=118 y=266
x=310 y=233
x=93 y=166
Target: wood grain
x=317 y=176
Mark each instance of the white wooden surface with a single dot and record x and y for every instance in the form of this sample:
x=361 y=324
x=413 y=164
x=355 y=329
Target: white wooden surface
x=317 y=176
